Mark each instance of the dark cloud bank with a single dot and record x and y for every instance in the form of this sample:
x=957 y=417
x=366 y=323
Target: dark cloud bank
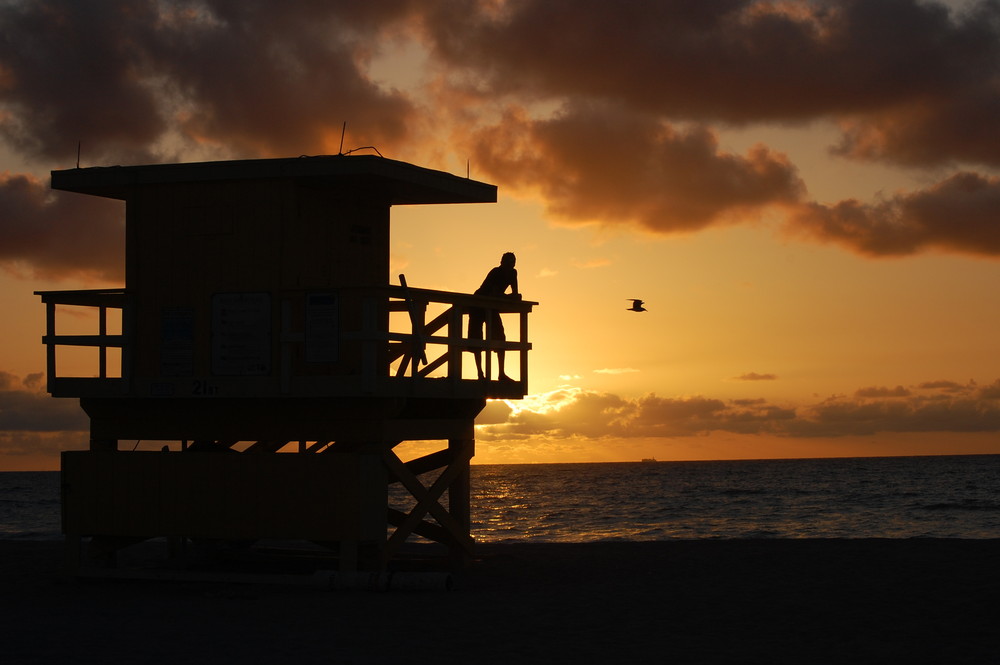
x=910 y=83
x=31 y=422
x=940 y=406
x=642 y=89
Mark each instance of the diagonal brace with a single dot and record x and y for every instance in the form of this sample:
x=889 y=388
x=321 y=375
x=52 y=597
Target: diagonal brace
x=427 y=501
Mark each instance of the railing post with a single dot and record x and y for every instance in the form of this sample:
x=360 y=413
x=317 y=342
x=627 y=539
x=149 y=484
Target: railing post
x=455 y=347
x=128 y=326
x=102 y=300
x=488 y=343
x=102 y=350
x=459 y=491
x=418 y=316
x=524 y=349
x=50 y=345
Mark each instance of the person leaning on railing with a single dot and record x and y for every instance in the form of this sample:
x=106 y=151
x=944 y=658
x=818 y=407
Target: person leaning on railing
x=495 y=285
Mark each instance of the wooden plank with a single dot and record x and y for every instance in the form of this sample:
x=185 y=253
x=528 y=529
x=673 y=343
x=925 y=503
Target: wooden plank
x=404 y=364
x=429 y=462
x=455 y=351
x=226 y=495
x=424 y=528
x=115 y=341
x=523 y=354
x=438 y=321
x=114 y=298
x=434 y=364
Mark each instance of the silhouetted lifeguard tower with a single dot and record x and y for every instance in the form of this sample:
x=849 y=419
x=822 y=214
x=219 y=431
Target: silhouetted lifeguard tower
x=258 y=318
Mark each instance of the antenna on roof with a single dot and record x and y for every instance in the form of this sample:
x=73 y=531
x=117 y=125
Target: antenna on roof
x=467 y=169
x=343 y=131
x=78 y=144
x=365 y=147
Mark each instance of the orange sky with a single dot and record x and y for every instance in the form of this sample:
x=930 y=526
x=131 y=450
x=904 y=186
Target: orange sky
x=807 y=196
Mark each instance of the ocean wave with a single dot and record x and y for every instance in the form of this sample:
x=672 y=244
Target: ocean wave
x=974 y=507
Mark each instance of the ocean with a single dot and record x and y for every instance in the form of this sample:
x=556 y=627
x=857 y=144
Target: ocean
x=891 y=497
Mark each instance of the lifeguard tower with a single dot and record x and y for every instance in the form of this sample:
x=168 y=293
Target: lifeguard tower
x=259 y=339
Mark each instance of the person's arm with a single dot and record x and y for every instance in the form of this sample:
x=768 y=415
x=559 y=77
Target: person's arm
x=513 y=284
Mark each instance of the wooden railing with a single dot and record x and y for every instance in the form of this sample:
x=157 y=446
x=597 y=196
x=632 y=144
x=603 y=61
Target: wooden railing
x=426 y=338
x=103 y=300
x=425 y=348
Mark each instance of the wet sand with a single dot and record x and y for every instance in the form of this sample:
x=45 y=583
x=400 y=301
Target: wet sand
x=732 y=601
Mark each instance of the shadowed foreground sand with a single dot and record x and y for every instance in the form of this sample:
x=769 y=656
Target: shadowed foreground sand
x=733 y=601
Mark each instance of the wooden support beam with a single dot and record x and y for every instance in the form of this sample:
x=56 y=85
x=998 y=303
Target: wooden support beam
x=270 y=446
x=438 y=322
x=433 y=365
x=116 y=341
x=429 y=462
x=396 y=349
x=455 y=351
x=102 y=351
x=523 y=353
x=427 y=502
x=50 y=347
x=428 y=530
x=460 y=489
x=318 y=446
x=404 y=364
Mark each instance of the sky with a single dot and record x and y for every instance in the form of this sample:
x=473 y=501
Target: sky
x=806 y=195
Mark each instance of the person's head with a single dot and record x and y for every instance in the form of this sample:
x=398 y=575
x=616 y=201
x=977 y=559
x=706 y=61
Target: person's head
x=508 y=260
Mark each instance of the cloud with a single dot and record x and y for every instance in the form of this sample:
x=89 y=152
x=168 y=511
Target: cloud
x=58 y=235
x=581 y=414
x=991 y=391
x=734 y=61
x=754 y=376
x=879 y=391
x=73 y=73
x=937 y=130
x=238 y=68
x=945 y=385
x=595 y=163
x=496 y=411
x=591 y=264
x=957 y=214
x=253 y=78
x=616 y=370
x=25 y=408
x=41 y=444
x=910 y=83
x=841 y=417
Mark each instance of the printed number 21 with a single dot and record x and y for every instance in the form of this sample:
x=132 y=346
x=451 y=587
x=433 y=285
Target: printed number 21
x=202 y=387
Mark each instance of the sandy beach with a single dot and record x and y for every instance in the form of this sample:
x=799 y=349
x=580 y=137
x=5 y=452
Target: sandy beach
x=726 y=601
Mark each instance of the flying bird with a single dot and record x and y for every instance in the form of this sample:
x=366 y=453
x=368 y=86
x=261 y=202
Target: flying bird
x=636 y=305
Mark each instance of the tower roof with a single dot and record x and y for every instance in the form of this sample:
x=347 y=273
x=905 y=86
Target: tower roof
x=398 y=182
